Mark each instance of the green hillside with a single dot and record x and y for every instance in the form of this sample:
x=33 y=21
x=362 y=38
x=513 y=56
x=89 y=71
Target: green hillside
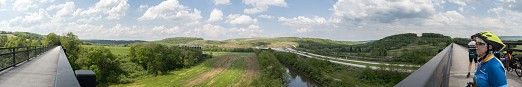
x=404 y=48
x=178 y=40
x=278 y=42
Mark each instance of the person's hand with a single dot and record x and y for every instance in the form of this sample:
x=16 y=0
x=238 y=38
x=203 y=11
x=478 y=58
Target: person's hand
x=471 y=84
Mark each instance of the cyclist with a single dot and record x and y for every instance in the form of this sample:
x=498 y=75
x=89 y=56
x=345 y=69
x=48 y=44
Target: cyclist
x=490 y=71
x=472 y=54
x=504 y=58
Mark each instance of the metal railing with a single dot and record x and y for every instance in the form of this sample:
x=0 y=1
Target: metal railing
x=434 y=73
x=65 y=77
x=11 y=56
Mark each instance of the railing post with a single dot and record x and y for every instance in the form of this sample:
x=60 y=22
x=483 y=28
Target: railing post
x=14 y=57
x=27 y=53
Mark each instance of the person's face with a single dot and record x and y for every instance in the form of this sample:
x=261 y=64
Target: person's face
x=481 y=48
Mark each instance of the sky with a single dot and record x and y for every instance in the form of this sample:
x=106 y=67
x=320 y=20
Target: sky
x=347 y=20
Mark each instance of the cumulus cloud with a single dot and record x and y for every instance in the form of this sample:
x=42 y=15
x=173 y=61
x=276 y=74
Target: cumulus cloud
x=237 y=19
x=301 y=20
x=66 y=9
x=266 y=16
x=143 y=7
x=164 y=31
x=512 y=5
x=23 y=5
x=29 y=20
x=207 y=30
x=303 y=24
x=215 y=15
x=218 y=2
x=459 y=2
x=171 y=10
x=259 y=6
x=383 y=10
x=447 y=18
x=2 y=2
x=111 y=9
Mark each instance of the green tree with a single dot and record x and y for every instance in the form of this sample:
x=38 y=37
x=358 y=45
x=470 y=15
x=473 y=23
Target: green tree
x=36 y=43
x=52 y=39
x=71 y=44
x=102 y=62
x=3 y=40
x=16 y=42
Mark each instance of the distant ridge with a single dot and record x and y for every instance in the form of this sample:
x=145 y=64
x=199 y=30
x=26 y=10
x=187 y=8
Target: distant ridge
x=115 y=42
x=510 y=37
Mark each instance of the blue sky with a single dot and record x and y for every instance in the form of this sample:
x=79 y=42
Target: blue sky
x=349 y=20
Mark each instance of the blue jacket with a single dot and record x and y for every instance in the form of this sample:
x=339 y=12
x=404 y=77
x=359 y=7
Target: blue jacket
x=490 y=73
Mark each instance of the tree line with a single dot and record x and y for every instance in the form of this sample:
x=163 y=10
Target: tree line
x=146 y=58
x=270 y=69
x=335 y=75
x=158 y=59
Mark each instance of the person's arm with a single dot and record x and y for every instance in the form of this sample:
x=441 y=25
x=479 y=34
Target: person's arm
x=497 y=76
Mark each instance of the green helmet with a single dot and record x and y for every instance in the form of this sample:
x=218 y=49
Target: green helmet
x=491 y=39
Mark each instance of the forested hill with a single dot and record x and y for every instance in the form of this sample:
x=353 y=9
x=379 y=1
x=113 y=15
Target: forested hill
x=510 y=38
x=401 y=40
x=277 y=42
x=113 y=42
x=16 y=39
x=179 y=40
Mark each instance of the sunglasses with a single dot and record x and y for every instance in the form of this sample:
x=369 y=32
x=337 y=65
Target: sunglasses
x=479 y=43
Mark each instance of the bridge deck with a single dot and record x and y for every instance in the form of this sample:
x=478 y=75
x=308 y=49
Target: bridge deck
x=459 y=70
x=38 y=72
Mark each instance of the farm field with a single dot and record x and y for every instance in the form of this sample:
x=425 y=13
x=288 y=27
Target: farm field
x=225 y=69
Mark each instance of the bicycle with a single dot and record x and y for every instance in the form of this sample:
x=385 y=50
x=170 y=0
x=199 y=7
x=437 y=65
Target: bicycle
x=517 y=66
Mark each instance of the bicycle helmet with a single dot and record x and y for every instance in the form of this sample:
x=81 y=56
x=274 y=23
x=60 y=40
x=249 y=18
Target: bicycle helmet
x=491 y=39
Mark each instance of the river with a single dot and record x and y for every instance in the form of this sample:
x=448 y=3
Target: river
x=295 y=79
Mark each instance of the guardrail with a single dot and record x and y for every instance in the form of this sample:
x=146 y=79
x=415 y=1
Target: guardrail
x=434 y=73
x=11 y=56
x=65 y=77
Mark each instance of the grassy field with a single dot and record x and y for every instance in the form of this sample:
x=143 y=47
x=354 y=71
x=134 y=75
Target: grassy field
x=225 y=69
x=116 y=50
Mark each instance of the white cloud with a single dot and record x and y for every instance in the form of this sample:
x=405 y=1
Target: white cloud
x=29 y=20
x=170 y=10
x=266 y=16
x=461 y=9
x=143 y=7
x=23 y=5
x=383 y=10
x=262 y=5
x=111 y=9
x=66 y=10
x=224 y=2
x=459 y=2
x=301 y=20
x=215 y=15
x=447 y=18
x=512 y=5
x=207 y=30
x=236 y=19
x=250 y=31
x=304 y=24
x=304 y=30
x=164 y=31
x=2 y=3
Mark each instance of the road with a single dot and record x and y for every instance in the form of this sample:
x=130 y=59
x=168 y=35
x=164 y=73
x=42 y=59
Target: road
x=336 y=60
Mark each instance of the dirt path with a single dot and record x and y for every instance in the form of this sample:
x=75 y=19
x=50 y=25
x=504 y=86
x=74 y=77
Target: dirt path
x=218 y=67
